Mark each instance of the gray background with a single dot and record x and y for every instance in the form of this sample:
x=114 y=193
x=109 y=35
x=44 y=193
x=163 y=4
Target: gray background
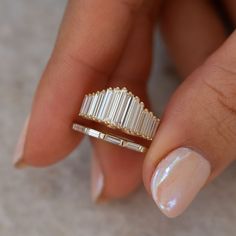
x=56 y=200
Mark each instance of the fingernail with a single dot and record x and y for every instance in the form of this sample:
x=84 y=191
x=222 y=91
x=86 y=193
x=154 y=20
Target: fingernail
x=18 y=160
x=177 y=180
x=97 y=182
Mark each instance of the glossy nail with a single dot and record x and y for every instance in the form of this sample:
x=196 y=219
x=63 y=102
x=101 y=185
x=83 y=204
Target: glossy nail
x=97 y=181
x=177 y=180
x=18 y=159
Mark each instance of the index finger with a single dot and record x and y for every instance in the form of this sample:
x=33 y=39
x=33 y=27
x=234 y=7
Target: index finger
x=90 y=42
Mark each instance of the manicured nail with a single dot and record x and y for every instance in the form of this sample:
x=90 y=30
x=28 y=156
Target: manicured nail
x=18 y=159
x=97 y=181
x=177 y=180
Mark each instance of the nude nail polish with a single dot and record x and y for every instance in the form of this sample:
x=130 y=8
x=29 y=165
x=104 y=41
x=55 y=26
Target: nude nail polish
x=18 y=159
x=177 y=180
x=97 y=181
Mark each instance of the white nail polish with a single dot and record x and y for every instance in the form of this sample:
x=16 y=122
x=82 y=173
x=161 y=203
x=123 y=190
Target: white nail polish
x=97 y=181
x=177 y=180
x=18 y=159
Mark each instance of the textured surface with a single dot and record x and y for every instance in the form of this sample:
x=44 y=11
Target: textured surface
x=56 y=201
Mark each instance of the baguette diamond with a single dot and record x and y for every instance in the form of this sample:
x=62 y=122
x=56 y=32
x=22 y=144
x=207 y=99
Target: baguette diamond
x=109 y=138
x=120 y=109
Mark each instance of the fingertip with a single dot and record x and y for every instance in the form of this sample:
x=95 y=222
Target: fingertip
x=177 y=180
x=121 y=170
x=18 y=157
x=97 y=181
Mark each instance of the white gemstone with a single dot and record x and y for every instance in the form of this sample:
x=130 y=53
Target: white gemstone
x=96 y=110
x=128 y=117
x=149 y=125
x=144 y=125
x=90 y=105
x=79 y=128
x=105 y=104
x=109 y=106
x=150 y=128
x=120 y=110
x=83 y=105
x=113 y=139
x=138 y=120
x=93 y=133
x=93 y=103
x=136 y=114
x=155 y=127
x=86 y=109
x=132 y=111
x=115 y=103
x=133 y=117
x=96 y=105
x=134 y=146
x=126 y=109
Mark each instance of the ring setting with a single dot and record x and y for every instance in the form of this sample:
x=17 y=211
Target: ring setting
x=118 y=109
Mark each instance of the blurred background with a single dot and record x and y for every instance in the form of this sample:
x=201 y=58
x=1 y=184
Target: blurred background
x=56 y=201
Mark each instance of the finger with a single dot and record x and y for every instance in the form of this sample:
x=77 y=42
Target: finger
x=192 y=31
x=196 y=139
x=84 y=57
x=114 y=171
x=231 y=8
x=121 y=168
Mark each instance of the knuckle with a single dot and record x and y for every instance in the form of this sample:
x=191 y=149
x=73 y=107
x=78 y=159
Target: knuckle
x=222 y=85
x=132 y=5
x=76 y=59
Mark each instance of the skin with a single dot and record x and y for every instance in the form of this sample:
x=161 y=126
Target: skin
x=87 y=58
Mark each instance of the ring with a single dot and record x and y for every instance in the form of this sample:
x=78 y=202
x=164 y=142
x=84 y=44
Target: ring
x=119 y=109
x=109 y=138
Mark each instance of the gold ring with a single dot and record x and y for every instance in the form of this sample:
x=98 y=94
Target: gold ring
x=120 y=109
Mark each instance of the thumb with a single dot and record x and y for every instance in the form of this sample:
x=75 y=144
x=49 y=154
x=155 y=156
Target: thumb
x=197 y=136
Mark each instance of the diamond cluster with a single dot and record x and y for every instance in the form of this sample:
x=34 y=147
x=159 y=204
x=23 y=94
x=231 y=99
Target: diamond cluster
x=119 y=108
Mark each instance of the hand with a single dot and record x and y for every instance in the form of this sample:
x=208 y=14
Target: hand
x=106 y=43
